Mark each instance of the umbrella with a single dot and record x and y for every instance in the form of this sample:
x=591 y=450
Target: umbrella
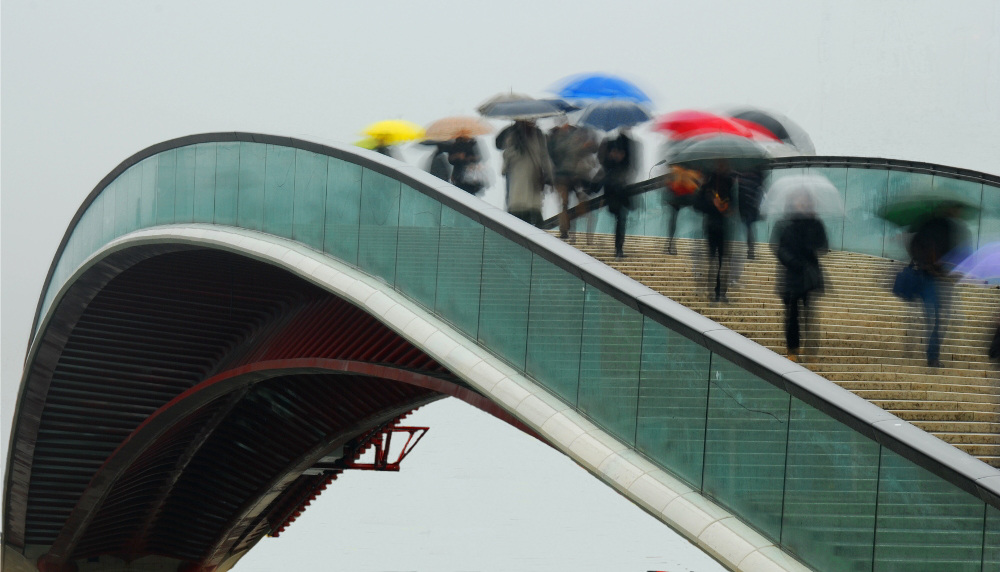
x=504 y=97
x=600 y=86
x=781 y=126
x=521 y=108
x=613 y=114
x=981 y=265
x=562 y=105
x=914 y=209
x=450 y=128
x=392 y=131
x=784 y=196
x=694 y=123
x=705 y=154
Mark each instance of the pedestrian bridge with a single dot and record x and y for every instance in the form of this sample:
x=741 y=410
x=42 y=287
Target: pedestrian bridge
x=232 y=319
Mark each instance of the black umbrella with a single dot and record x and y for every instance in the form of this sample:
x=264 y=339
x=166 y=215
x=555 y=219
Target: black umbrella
x=782 y=127
x=613 y=114
x=517 y=106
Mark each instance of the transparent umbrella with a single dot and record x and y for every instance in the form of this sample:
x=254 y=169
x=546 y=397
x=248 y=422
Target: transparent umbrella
x=803 y=194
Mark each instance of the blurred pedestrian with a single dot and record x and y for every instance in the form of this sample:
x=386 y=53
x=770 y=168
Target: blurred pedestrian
x=619 y=157
x=466 y=160
x=715 y=202
x=799 y=240
x=572 y=150
x=528 y=168
x=382 y=146
x=749 y=194
x=932 y=240
x=438 y=165
x=681 y=187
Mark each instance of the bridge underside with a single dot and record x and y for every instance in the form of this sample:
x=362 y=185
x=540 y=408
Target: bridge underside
x=188 y=402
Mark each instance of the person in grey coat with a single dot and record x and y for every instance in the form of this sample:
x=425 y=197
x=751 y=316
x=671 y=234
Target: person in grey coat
x=528 y=168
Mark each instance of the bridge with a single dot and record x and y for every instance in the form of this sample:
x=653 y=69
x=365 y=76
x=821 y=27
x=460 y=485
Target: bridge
x=232 y=320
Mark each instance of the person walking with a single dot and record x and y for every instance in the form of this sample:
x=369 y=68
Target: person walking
x=799 y=240
x=527 y=167
x=465 y=159
x=618 y=157
x=438 y=164
x=715 y=202
x=681 y=187
x=571 y=149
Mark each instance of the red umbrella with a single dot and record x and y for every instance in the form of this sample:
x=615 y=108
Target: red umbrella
x=690 y=123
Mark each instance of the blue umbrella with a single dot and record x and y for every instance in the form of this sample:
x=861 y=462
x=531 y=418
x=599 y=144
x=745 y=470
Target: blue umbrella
x=982 y=265
x=600 y=86
x=613 y=114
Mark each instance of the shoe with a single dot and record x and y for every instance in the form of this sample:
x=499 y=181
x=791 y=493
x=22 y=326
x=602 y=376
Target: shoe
x=793 y=356
x=750 y=255
x=671 y=249
x=564 y=235
x=619 y=254
x=934 y=363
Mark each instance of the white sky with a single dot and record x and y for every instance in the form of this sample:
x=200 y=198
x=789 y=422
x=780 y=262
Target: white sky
x=87 y=84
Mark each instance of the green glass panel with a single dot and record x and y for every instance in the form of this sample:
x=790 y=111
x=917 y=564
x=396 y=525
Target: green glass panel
x=379 y=222
x=745 y=444
x=310 y=198
x=673 y=397
x=204 y=182
x=901 y=185
x=865 y=197
x=250 y=204
x=989 y=217
x=834 y=223
x=555 y=323
x=147 y=195
x=343 y=210
x=166 y=172
x=609 y=363
x=460 y=270
x=122 y=217
x=924 y=523
x=503 y=304
x=279 y=190
x=184 y=184
x=831 y=482
x=991 y=540
x=417 y=258
x=93 y=225
x=227 y=182
x=109 y=205
x=133 y=184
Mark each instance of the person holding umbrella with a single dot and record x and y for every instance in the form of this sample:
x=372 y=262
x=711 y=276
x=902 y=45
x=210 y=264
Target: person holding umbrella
x=750 y=191
x=618 y=157
x=799 y=240
x=528 y=168
x=715 y=202
x=571 y=149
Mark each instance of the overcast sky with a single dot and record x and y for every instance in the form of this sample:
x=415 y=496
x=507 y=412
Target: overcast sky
x=87 y=84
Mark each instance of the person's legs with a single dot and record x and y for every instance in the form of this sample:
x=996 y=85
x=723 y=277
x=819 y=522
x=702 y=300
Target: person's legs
x=671 y=229
x=562 y=187
x=932 y=317
x=750 y=238
x=621 y=220
x=792 y=326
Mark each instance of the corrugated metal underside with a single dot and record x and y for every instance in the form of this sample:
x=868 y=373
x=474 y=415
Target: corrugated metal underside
x=159 y=328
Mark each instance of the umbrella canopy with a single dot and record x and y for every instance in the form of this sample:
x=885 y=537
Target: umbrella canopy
x=521 y=108
x=709 y=153
x=392 y=131
x=613 y=114
x=690 y=123
x=914 y=209
x=981 y=265
x=784 y=128
x=504 y=97
x=802 y=194
x=449 y=128
x=599 y=86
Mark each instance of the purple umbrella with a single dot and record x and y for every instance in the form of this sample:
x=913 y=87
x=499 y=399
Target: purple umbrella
x=982 y=265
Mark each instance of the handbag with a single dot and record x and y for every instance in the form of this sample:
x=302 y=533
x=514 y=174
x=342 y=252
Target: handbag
x=908 y=283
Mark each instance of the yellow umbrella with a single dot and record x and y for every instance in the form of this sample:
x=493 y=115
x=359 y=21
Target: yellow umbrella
x=392 y=131
x=458 y=126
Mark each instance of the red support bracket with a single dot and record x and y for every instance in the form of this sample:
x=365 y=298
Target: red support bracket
x=382 y=442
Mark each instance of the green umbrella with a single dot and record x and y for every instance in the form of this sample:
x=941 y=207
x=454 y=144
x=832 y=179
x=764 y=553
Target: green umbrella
x=729 y=151
x=912 y=210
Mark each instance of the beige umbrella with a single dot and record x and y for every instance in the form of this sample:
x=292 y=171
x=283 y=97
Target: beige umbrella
x=457 y=126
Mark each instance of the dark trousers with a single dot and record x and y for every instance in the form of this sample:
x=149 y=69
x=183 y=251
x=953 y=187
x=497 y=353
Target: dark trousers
x=792 y=332
x=717 y=259
x=931 y=297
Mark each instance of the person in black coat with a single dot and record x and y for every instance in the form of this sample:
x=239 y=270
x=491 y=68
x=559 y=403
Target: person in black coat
x=715 y=201
x=799 y=240
x=465 y=157
x=439 y=166
x=619 y=158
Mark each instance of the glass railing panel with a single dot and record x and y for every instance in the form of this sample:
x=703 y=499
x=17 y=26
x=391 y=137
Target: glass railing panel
x=991 y=540
x=650 y=213
x=901 y=185
x=924 y=523
x=309 y=202
x=673 y=398
x=504 y=301
x=745 y=444
x=460 y=271
x=132 y=218
x=379 y=225
x=227 y=182
x=555 y=323
x=250 y=202
x=166 y=178
x=147 y=195
x=279 y=190
x=419 y=236
x=184 y=184
x=865 y=197
x=122 y=217
x=831 y=483
x=609 y=363
x=343 y=209
x=204 y=182
x=989 y=217
x=108 y=206
x=834 y=223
